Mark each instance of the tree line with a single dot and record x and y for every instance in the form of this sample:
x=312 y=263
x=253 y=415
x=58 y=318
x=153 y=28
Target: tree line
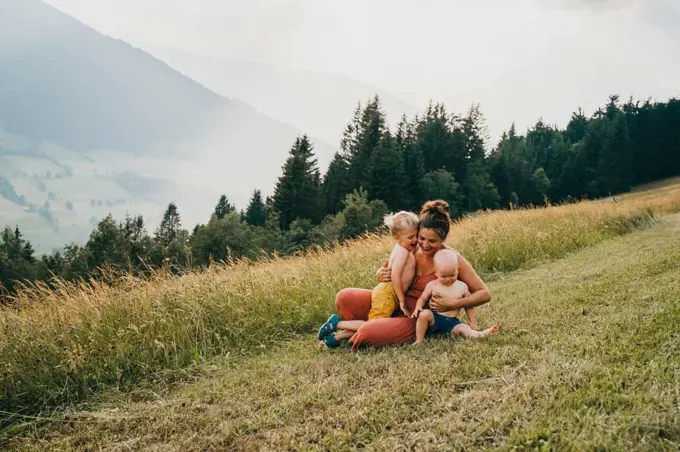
x=436 y=154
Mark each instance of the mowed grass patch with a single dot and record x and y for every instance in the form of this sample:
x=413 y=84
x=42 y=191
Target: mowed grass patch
x=588 y=358
x=62 y=346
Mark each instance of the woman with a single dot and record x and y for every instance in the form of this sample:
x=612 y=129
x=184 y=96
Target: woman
x=354 y=304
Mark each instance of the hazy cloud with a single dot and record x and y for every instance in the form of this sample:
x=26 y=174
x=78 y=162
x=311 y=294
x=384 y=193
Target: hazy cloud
x=521 y=59
x=590 y=4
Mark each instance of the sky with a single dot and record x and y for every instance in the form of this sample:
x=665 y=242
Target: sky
x=521 y=59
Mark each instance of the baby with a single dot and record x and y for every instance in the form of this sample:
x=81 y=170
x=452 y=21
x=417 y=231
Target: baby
x=448 y=285
x=385 y=297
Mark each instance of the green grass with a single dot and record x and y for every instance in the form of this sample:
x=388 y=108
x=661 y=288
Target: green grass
x=63 y=346
x=588 y=358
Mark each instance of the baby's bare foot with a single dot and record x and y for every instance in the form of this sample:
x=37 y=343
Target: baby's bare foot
x=489 y=331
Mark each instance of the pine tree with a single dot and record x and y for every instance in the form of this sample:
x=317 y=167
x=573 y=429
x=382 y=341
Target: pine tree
x=170 y=226
x=140 y=247
x=615 y=166
x=669 y=151
x=479 y=190
x=106 y=246
x=256 y=214
x=576 y=129
x=435 y=140
x=17 y=262
x=361 y=138
x=16 y=247
x=574 y=177
x=296 y=194
x=498 y=163
x=593 y=143
x=223 y=207
x=386 y=174
x=539 y=140
x=475 y=134
x=336 y=184
x=414 y=164
x=457 y=157
x=540 y=186
x=441 y=184
x=559 y=154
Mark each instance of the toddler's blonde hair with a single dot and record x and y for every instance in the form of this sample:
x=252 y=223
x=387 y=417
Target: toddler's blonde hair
x=401 y=221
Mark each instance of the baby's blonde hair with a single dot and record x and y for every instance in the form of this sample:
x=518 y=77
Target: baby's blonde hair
x=401 y=221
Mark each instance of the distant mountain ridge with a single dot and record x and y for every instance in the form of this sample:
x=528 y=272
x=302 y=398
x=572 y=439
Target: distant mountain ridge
x=91 y=120
x=60 y=80
x=319 y=103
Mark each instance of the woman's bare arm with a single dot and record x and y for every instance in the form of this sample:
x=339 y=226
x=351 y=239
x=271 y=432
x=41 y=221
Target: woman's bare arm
x=470 y=313
x=479 y=292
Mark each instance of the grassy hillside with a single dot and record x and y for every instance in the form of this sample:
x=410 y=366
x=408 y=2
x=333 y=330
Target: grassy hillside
x=587 y=359
x=66 y=346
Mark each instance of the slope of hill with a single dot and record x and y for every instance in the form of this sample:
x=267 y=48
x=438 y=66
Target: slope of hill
x=585 y=357
x=319 y=103
x=90 y=108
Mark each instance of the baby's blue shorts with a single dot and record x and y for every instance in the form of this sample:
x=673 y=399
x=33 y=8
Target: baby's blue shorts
x=443 y=324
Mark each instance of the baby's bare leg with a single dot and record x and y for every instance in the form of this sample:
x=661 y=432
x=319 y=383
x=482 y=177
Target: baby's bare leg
x=425 y=320
x=467 y=332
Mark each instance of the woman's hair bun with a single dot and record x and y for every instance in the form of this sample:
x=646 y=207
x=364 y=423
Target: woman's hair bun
x=435 y=215
x=437 y=206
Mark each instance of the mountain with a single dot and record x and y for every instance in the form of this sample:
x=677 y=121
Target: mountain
x=90 y=125
x=62 y=81
x=320 y=103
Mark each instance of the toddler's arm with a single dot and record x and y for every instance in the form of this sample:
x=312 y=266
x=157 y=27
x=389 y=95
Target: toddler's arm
x=400 y=258
x=424 y=298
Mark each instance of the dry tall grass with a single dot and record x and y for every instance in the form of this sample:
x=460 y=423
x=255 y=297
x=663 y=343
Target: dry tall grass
x=588 y=359
x=65 y=344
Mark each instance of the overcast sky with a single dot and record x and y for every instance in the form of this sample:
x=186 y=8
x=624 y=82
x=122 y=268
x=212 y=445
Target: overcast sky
x=521 y=59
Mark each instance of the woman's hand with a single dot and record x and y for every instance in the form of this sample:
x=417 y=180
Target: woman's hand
x=438 y=303
x=384 y=273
